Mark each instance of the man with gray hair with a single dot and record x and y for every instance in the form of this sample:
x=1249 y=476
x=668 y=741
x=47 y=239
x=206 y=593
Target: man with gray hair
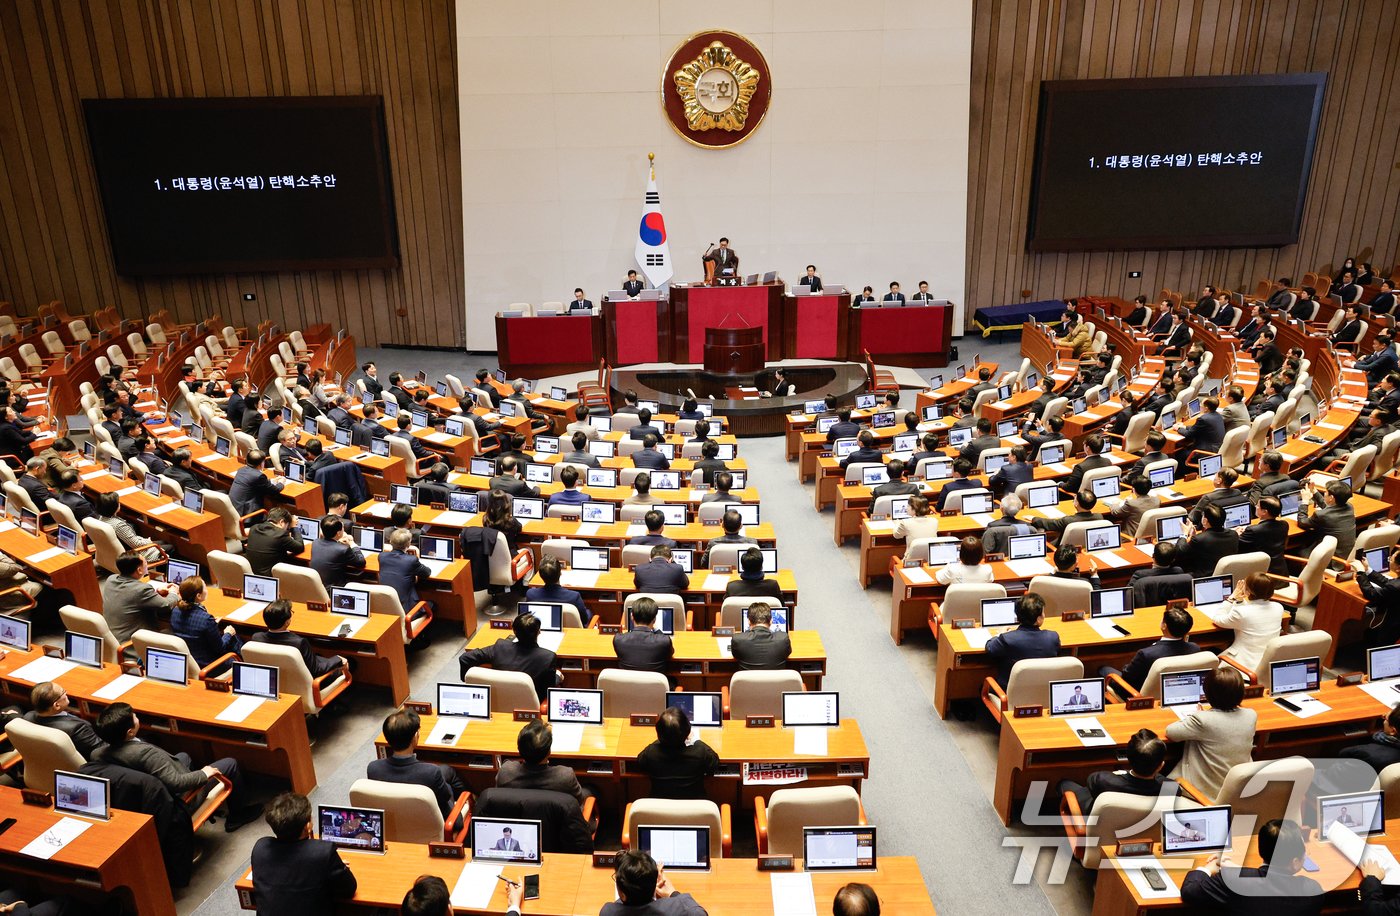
x=537 y=420
x=997 y=537
x=32 y=482
x=401 y=569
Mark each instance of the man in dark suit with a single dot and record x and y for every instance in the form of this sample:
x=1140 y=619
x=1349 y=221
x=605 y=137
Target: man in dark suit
x=1139 y=314
x=726 y=259
x=1161 y=319
x=760 y=647
x=866 y=297
x=1328 y=512
x=898 y=484
x=844 y=427
x=1028 y=640
x=980 y=443
x=524 y=653
x=1271 y=401
x=1382 y=748
x=811 y=280
x=1156 y=441
x=1093 y=460
x=434 y=488
x=1380 y=361
x=70 y=493
x=277 y=615
x=866 y=453
x=550 y=591
x=1249 y=332
x=236 y=403
x=655 y=522
x=709 y=464
x=1352 y=328
x=751 y=582
x=580 y=302
x=1176 y=626
x=1272 y=464
x=1164 y=555
x=533 y=770
x=580 y=454
x=318 y=459
x=643 y=647
x=251 y=485
x=1146 y=754
x=275 y=539
x=1268 y=534
x=1280 y=298
x=373 y=385
x=1386 y=394
x=398 y=392
x=1198 y=550
x=50 y=707
x=402 y=766
x=962 y=468
x=894 y=295
x=508 y=479
x=295 y=874
x=1084 y=502
x=339 y=412
x=401 y=569
x=1384 y=302
x=335 y=557
x=1273 y=889
x=632 y=286
x=1177 y=336
x=178 y=470
x=1378 y=424
x=365 y=431
x=644 y=890
x=649 y=457
x=1224 y=494
x=1206 y=305
x=660 y=575
x=643 y=427
x=1207 y=433
x=32 y=482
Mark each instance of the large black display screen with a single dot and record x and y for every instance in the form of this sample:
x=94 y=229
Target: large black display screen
x=229 y=185
x=1191 y=162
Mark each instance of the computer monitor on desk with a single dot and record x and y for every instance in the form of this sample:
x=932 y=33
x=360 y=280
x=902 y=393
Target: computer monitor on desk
x=1195 y=830
x=352 y=829
x=495 y=839
x=812 y=707
x=702 y=709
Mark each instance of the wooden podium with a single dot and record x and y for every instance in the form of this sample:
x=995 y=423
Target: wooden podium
x=734 y=351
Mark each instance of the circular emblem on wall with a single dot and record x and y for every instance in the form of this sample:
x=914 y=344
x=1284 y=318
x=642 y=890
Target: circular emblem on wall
x=715 y=89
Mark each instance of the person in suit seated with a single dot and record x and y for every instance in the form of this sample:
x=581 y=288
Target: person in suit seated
x=867 y=453
x=277 y=615
x=1386 y=394
x=1380 y=749
x=524 y=653
x=235 y=404
x=984 y=382
x=843 y=428
x=779 y=386
x=1280 y=297
x=962 y=468
x=297 y=875
x=402 y=766
x=533 y=770
x=1275 y=887
x=401 y=569
x=1047 y=394
x=1206 y=305
x=644 y=427
x=641 y=491
x=866 y=297
x=1206 y=434
x=677 y=766
x=1146 y=755
x=1037 y=434
x=403 y=423
x=760 y=647
x=898 y=484
x=1084 y=503
x=571 y=495
x=1304 y=308
x=251 y=486
x=709 y=464
x=580 y=426
x=1271 y=400
x=275 y=539
x=630 y=399
x=339 y=412
x=1384 y=302
x=996 y=538
x=643 y=647
x=334 y=555
x=1176 y=626
x=32 y=482
x=50 y=705
x=923 y=295
x=856 y=899
x=367 y=430
x=1382 y=359
x=398 y=392
x=1163 y=564
x=1250 y=330
x=894 y=295
x=318 y=459
x=928 y=448
x=1199 y=549
x=1224 y=315
x=1066 y=561
x=1345 y=286
x=70 y=493
x=1161 y=320
x=1273 y=480
x=509 y=481
x=1177 y=337
x=751 y=582
x=919 y=523
x=632 y=286
x=1028 y=640
x=643 y=888
x=1092 y=461
x=811 y=280
x=551 y=569
x=690 y=410
x=732 y=524
x=434 y=488
x=1378 y=424
x=1140 y=313
x=1224 y=494
x=1268 y=534
x=1129 y=512
x=254 y=416
x=1353 y=326
x=656 y=523
x=580 y=454
x=649 y=457
x=660 y=575
x=1234 y=412
x=580 y=302
x=984 y=440
x=1156 y=441
x=1328 y=512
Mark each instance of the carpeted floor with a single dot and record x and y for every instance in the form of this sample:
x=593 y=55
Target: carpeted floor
x=930 y=785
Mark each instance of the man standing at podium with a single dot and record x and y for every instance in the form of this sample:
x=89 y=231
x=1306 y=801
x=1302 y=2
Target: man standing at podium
x=812 y=281
x=726 y=259
x=633 y=286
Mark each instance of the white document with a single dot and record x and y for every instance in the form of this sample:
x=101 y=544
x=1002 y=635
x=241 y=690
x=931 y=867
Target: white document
x=636 y=530
x=1110 y=558
x=579 y=578
x=982 y=519
x=439 y=437
x=1086 y=723
x=587 y=529
x=1104 y=627
x=918 y=575
x=241 y=708
x=551 y=640
x=8 y=526
x=977 y=637
x=476 y=885
x=1386 y=692
x=1050 y=512
x=209 y=458
x=93 y=474
x=455 y=519
x=447 y=725
x=435 y=566
x=176 y=440
x=1033 y=566
x=715 y=582
x=725 y=646
x=1132 y=869
x=162 y=509
x=47 y=844
x=809 y=740
x=568 y=737
x=117 y=686
x=127 y=491
x=1356 y=849
x=1059 y=470
x=792 y=894
x=1002 y=405
x=43 y=555
x=880 y=527
x=1309 y=706
x=43 y=669
x=380 y=510
x=244 y=612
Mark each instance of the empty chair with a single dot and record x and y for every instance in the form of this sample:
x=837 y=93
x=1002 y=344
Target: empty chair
x=560 y=548
x=411 y=812
x=760 y=693
x=1061 y=594
x=1029 y=684
x=91 y=623
x=79 y=330
x=629 y=692
x=1242 y=564
x=53 y=344
x=44 y=750
x=228 y=569
x=671 y=812
x=780 y=821
x=294 y=677
x=1117 y=817
x=234 y=532
x=510 y=690
x=964 y=600
x=297 y=583
x=384 y=600
x=1300 y=593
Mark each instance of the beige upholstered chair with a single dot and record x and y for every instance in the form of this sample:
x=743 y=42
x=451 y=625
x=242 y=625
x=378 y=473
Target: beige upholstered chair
x=44 y=750
x=760 y=693
x=780 y=821
x=628 y=692
x=510 y=690
x=668 y=812
x=411 y=812
x=294 y=677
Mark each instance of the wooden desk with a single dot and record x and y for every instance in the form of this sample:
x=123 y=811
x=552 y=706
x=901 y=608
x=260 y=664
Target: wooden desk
x=700 y=662
x=271 y=740
x=606 y=593
x=1340 y=611
x=117 y=858
x=1046 y=749
x=450 y=589
x=77 y=574
x=194 y=534
x=377 y=647
x=570 y=885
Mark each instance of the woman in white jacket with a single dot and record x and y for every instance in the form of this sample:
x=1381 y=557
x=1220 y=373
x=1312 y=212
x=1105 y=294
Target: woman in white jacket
x=1253 y=616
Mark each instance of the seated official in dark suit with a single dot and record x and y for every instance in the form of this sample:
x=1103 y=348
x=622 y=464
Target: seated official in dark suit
x=677 y=768
x=1011 y=475
x=1273 y=481
x=643 y=647
x=551 y=570
x=50 y=707
x=580 y=454
x=1176 y=626
x=898 y=483
x=1273 y=889
x=866 y=453
x=644 y=427
x=401 y=734
x=732 y=523
x=296 y=875
x=980 y=443
x=724 y=483
x=508 y=479
x=660 y=575
x=649 y=457
x=709 y=464
x=401 y=569
x=1268 y=534
x=250 y=485
x=524 y=653
x=277 y=615
x=1199 y=550
x=1224 y=494
x=1028 y=640
x=1382 y=748
x=275 y=539
x=632 y=286
x=1328 y=512
x=760 y=647
x=1084 y=502
x=751 y=582
x=811 y=280
x=894 y=295
x=580 y=301
x=866 y=297
x=1208 y=432
x=334 y=555
x=434 y=488
x=70 y=493
x=962 y=470
x=655 y=523
x=1093 y=460
x=533 y=770
x=1145 y=591
x=642 y=888
x=844 y=427
x=1146 y=754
